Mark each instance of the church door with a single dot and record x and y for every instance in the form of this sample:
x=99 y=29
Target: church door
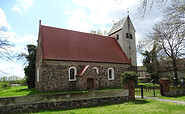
x=90 y=83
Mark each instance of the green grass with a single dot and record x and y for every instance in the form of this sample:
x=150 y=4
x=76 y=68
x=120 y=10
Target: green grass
x=180 y=98
x=24 y=91
x=149 y=93
x=139 y=106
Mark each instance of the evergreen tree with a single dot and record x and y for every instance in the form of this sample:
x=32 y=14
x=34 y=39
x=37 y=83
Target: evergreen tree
x=151 y=63
x=30 y=69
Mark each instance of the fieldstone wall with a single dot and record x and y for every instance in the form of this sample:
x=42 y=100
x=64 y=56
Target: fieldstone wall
x=174 y=93
x=54 y=75
x=62 y=101
x=81 y=82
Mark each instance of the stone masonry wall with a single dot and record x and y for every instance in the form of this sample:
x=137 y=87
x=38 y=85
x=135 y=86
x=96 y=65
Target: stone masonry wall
x=81 y=82
x=61 y=101
x=54 y=75
x=175 y=93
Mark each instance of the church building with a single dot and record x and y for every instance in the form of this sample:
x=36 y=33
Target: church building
x=72 y=60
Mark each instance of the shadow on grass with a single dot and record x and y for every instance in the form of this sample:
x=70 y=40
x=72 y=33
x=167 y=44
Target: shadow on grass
x=140 y=101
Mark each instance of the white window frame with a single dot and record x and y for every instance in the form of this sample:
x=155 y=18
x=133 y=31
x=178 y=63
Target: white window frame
x=97 y=71
x=37 y=74
x=75 y=73
x=112 y=74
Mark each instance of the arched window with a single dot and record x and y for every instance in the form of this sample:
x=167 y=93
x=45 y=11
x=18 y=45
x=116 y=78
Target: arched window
x=96 y=69
x=72 y=74
x=117 y=37
x=129 y=47
x=130 y=36
x=110 y=74
x=127 y=36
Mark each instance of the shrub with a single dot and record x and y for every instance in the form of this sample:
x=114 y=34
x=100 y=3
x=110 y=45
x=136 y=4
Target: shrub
x=129 y=76
x=4 y=85
x=22 y=82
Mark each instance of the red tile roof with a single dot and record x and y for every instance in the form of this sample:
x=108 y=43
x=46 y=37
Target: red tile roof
x=62 y=44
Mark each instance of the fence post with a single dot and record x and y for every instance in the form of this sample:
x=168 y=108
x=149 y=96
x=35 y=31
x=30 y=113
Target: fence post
x=141 y=91
x=154 y=89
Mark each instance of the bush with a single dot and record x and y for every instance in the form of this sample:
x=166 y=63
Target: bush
x=22 y=82
x=129 y=76
x=4 y=85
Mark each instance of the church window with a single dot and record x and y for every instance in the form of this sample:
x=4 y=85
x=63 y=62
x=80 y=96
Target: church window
x=130 y=36
x=37 y=74
x=110 y=74
x=72 y=74
x=96 y=69
x=129 y=47
x=127 y=36
x=117 y=38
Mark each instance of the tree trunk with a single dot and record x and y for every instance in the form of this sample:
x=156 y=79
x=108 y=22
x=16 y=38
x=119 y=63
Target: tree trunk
x=175 y=72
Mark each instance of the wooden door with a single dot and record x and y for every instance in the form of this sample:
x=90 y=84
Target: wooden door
x=90 y=83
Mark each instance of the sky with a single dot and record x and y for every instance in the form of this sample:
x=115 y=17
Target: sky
x=21 y=19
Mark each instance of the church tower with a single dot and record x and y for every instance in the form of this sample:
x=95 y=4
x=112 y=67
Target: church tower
x=124 y=32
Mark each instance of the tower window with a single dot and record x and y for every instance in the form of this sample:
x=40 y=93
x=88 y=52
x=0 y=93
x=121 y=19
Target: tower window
x=130 y=36
x=117 y=37
x=127 y=35
x=129 y=47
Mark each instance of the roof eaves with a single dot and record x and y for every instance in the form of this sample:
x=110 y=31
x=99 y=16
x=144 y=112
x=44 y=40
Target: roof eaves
x=113 y=62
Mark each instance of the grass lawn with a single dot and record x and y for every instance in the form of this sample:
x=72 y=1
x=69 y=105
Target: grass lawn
x=139 y=106
x=181 y=98
x=149 y=93
x=24 y=91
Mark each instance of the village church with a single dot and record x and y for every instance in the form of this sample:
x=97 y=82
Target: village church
x=72 y=60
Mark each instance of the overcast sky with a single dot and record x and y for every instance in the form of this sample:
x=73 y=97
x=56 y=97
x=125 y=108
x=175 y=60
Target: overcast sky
x=21 y=18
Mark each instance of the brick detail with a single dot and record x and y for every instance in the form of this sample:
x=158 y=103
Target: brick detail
x=164 y=86
x=131 y=87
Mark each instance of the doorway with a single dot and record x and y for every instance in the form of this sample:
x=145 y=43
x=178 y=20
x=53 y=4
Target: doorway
x=90 y=83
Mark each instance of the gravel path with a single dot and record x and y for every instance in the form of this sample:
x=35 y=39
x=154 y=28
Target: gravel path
x=164 y=100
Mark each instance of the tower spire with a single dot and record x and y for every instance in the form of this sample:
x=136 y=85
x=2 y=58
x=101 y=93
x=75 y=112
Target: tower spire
x=127 y=11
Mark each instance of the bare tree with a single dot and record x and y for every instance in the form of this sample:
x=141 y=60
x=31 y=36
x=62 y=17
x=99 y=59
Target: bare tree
x=175 y=11
x=174 y=8
x=170 y=37
x=145 y=6
x=4 y=46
